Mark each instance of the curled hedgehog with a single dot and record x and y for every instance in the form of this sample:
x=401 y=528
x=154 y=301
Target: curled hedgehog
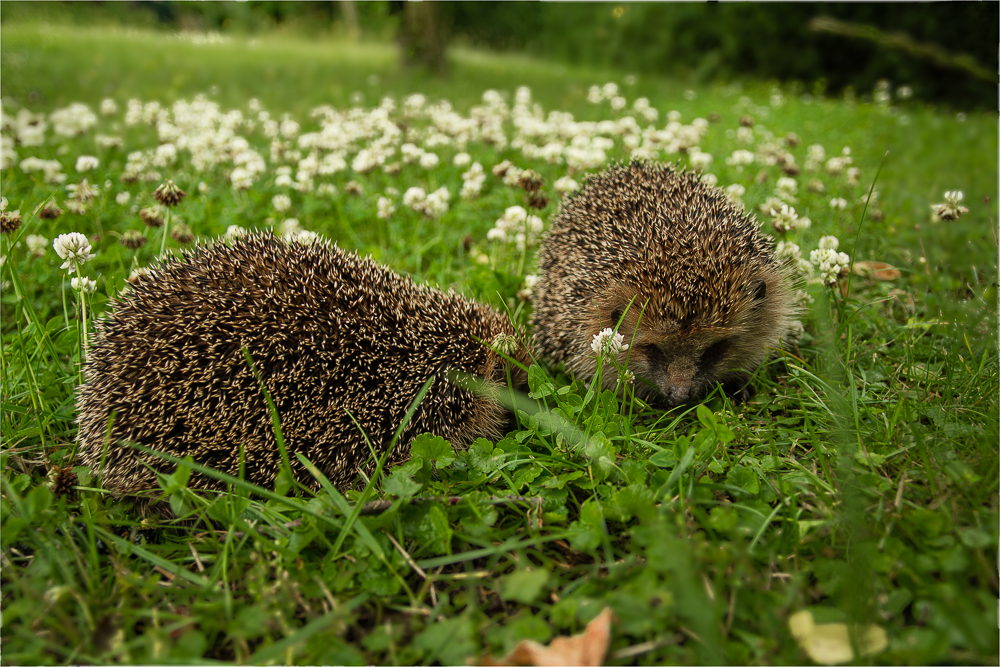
x=680 y=271
x=342 y=344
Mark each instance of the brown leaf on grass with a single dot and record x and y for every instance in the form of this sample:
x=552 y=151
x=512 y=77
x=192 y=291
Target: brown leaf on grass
x=588 y=648
x=876 y=270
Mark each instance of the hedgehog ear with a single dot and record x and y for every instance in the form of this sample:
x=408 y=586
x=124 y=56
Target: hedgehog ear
x=616 y=316
x=757 y=289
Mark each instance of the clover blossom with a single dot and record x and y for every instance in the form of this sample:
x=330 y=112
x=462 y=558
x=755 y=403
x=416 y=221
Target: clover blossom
x=84 y=285
x=951 y=209
x=831 y=264
x=74 y=248
x=385 y=208
x=608 y=343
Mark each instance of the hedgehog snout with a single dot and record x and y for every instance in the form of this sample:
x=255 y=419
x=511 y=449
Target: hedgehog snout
x=676 y=385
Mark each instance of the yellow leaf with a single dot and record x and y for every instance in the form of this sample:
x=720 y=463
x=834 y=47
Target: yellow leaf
x=830 y=643
x=588 y=648
x=876 y=270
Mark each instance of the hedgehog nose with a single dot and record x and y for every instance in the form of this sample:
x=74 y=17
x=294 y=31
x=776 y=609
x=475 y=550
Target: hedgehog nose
x=677 y=394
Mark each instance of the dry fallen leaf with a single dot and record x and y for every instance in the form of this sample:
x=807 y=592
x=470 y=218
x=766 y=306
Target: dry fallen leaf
x=876 y=270
x=830 y=643
x=588 y=648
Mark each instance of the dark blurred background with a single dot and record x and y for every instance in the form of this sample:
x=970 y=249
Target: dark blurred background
x=947 y=52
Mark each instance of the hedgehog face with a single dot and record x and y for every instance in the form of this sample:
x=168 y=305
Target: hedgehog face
x=684 y=354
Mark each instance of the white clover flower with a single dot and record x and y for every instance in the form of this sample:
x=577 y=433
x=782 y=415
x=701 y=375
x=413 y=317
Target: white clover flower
x=735 y=191
x=815 y=153
x=838 y=203
x=385 y=208
x=234 y=232
x=496 y=234
x=608 y=343
x=36 y=244
x=699 y=160
x=83 y=285
x=711 y=180
x=73 y=120
x=108 y=106
x=8 y=156
x=784 y=219
x=831 y=264
x=76 y=207
x=3 y=204
x=83 y=191
x=288 y=128
x=123 y=198
x=410 y=152
x=436 y=203
x=951 y=209
x=829 y=243
x=786 y=250
x=565 y=185
x=609 y=90
x=281 y=203
x=618 y=103
x=86 y=163
x=461 y=159
x=303 y=236
x=740 y=159
x=594 y=95
x=203 y=187
x=429 y=160
x=74 y=248
x=744 y=135
x=289 y=227
x=413 y=197
x=795 y=332
x=786 y=188
x=472 y=181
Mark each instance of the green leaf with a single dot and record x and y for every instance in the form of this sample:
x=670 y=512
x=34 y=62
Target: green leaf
x=524 y=586
x=601 y=452
x=975 y=538
x=434 y=531
x=433 y=448
x=539 y=382
x=448 y=641
x=745 y=478
x=400 y=481
x=706 y=417
x=665 y=458
x=561 y=481
x=481 y=456
x=635 y=500
x=526 y=475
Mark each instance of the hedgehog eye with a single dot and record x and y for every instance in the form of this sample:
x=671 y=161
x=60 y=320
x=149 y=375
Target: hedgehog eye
x=757 y=289
x=714 y=352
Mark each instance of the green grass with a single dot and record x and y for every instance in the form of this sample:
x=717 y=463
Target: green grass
x=860 y=482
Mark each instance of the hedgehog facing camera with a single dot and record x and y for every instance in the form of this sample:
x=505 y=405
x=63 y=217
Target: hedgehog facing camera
x=683 y=274
x=342 y=345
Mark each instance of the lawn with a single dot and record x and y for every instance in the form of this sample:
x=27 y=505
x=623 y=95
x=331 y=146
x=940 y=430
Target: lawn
x=859 y=484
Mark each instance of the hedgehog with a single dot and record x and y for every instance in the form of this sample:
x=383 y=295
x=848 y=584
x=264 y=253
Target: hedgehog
x=675 y=267
x=342 y=344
